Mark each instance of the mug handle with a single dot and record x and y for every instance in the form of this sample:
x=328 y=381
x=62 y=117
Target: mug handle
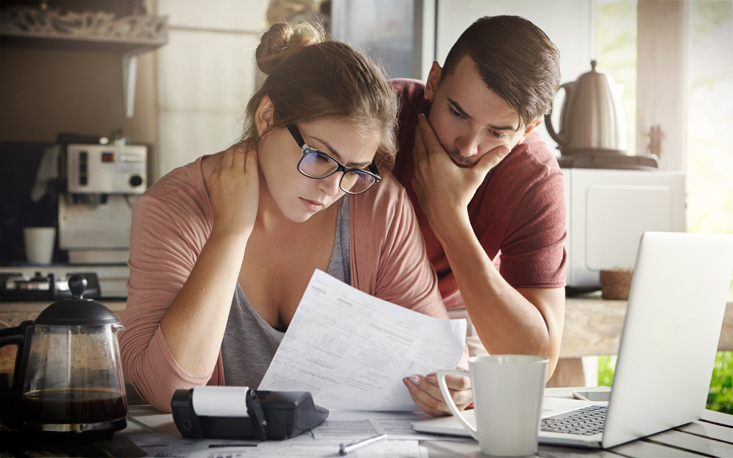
x=452 y=405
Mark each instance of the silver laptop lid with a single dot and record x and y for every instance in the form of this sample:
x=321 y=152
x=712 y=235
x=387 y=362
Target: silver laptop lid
x=671 y=331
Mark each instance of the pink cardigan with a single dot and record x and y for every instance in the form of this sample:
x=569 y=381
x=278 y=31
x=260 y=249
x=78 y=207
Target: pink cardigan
x=171 y=223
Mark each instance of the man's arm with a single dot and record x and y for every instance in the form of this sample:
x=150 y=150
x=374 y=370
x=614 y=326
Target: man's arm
x=508 y=320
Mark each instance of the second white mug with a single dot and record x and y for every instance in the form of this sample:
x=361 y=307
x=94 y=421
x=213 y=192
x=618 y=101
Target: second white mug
x=507 y=399
x=39 y=244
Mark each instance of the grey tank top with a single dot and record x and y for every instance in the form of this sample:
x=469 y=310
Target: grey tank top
x=249 y=342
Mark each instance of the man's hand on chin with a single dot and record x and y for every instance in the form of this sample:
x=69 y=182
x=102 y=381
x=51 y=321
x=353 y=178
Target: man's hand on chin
x=444 y=188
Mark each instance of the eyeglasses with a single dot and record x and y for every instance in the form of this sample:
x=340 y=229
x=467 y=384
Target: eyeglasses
x=317 y=164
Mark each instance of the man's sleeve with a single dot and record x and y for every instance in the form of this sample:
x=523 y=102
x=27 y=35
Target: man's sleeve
x=533 y=255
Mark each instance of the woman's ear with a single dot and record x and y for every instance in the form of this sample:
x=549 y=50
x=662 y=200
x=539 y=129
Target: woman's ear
x=264 y=115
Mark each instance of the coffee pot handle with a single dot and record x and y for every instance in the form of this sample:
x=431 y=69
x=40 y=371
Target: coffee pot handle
x=14 y=335
x=565 y=106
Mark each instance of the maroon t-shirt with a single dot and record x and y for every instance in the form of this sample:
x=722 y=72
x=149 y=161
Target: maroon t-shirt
x=518 y=212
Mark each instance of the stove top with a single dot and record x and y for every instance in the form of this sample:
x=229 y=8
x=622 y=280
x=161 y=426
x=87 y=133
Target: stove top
x=40 y=287
x=111 y=281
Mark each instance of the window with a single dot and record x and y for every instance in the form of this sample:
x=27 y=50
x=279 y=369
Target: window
x=616 y=53
x=206 y=74
x=710 y=146
x=709 y=154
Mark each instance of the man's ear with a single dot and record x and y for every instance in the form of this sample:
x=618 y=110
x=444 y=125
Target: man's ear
x=532 y=126
x=264 y=115
x=433 y=79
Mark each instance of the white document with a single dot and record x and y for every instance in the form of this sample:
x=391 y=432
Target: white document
x=173 y=445
x=352 y=350
x=351 y=425
x=386 y=449
x=303 y=446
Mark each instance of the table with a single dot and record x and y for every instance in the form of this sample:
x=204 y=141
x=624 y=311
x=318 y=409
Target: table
x=712 y=436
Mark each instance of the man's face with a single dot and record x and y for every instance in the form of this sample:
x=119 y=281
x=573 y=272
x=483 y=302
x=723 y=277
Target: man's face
x=469 y=119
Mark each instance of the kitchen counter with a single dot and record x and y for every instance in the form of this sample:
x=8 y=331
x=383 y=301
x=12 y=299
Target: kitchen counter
x=592 y=327
x=36 y=307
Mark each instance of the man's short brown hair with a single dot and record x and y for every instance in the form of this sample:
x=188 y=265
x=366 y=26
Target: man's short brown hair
x=515 y=59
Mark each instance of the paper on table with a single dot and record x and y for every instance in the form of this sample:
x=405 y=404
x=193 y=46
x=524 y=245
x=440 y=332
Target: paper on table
x=303 y=446
x=348 y=425
x=351 y=350
x=387 y=448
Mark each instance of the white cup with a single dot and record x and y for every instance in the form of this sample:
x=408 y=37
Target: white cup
x=39 y=243
x=507 y=402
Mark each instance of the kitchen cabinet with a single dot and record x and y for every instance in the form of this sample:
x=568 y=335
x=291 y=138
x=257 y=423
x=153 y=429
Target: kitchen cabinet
x=129 y=36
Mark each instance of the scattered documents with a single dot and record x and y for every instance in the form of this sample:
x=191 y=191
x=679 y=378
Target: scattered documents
x=347 y=425
x=322 y=441
x=352 y=350
x=175 y=446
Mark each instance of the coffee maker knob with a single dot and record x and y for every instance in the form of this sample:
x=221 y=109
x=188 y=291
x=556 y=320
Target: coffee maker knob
x=136 y=180
x=77 y=285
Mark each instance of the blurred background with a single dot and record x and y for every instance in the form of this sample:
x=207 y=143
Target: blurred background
x=175 y=76
x=190 y=92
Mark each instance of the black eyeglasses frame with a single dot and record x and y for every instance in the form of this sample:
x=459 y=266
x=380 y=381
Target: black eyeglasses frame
x=373 y=171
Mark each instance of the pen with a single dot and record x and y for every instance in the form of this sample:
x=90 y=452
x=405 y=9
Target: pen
x=346 y=448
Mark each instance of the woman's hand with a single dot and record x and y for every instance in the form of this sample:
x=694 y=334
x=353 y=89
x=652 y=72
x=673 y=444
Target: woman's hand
x=426 y=393
x=235 y=190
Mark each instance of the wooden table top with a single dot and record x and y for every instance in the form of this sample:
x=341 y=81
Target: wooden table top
x=712 y=436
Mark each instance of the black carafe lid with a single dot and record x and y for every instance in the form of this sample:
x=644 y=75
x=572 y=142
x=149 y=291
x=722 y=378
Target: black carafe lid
x=76 y=311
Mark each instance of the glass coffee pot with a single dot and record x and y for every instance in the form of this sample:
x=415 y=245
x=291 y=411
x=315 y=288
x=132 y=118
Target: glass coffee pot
x=68 y=374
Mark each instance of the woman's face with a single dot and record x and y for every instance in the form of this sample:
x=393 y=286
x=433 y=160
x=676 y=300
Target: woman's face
x=297 y=196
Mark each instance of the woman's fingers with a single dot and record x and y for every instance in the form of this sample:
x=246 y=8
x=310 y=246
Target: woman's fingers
x=453 y=382
x=428 y=403
x=234 y=189
x=427 y=395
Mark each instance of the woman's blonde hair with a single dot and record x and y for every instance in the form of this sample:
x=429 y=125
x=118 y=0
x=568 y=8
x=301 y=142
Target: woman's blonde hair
x=310 y=77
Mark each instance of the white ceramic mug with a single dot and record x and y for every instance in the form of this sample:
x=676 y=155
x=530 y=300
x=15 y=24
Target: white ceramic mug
x=39 y=243
x=507 y=400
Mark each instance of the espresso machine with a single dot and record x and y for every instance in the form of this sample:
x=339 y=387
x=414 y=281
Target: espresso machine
x=83 y=186
x=95 y=203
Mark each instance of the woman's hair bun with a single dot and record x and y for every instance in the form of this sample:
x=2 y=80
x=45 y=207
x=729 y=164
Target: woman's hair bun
x=283 y=40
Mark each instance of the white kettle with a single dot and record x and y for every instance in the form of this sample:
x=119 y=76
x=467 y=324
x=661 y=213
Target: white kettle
x=593 y=120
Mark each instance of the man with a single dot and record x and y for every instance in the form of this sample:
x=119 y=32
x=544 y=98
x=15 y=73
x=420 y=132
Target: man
x=488 y=192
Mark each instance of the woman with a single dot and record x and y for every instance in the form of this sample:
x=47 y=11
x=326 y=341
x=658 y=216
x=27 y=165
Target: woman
x=222 y=249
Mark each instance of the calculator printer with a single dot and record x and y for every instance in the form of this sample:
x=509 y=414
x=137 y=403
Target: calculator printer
x=235 y=412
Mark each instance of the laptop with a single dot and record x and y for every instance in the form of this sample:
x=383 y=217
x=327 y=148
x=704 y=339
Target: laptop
x=667 y=350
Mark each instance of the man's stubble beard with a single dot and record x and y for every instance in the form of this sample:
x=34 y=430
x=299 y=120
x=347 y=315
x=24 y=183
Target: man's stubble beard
x=460 y=161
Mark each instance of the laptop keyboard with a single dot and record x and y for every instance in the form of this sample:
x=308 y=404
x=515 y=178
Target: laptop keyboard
x=586 y=421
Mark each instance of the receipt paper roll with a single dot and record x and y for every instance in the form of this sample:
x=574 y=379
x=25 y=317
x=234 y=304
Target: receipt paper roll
x=220 y=401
